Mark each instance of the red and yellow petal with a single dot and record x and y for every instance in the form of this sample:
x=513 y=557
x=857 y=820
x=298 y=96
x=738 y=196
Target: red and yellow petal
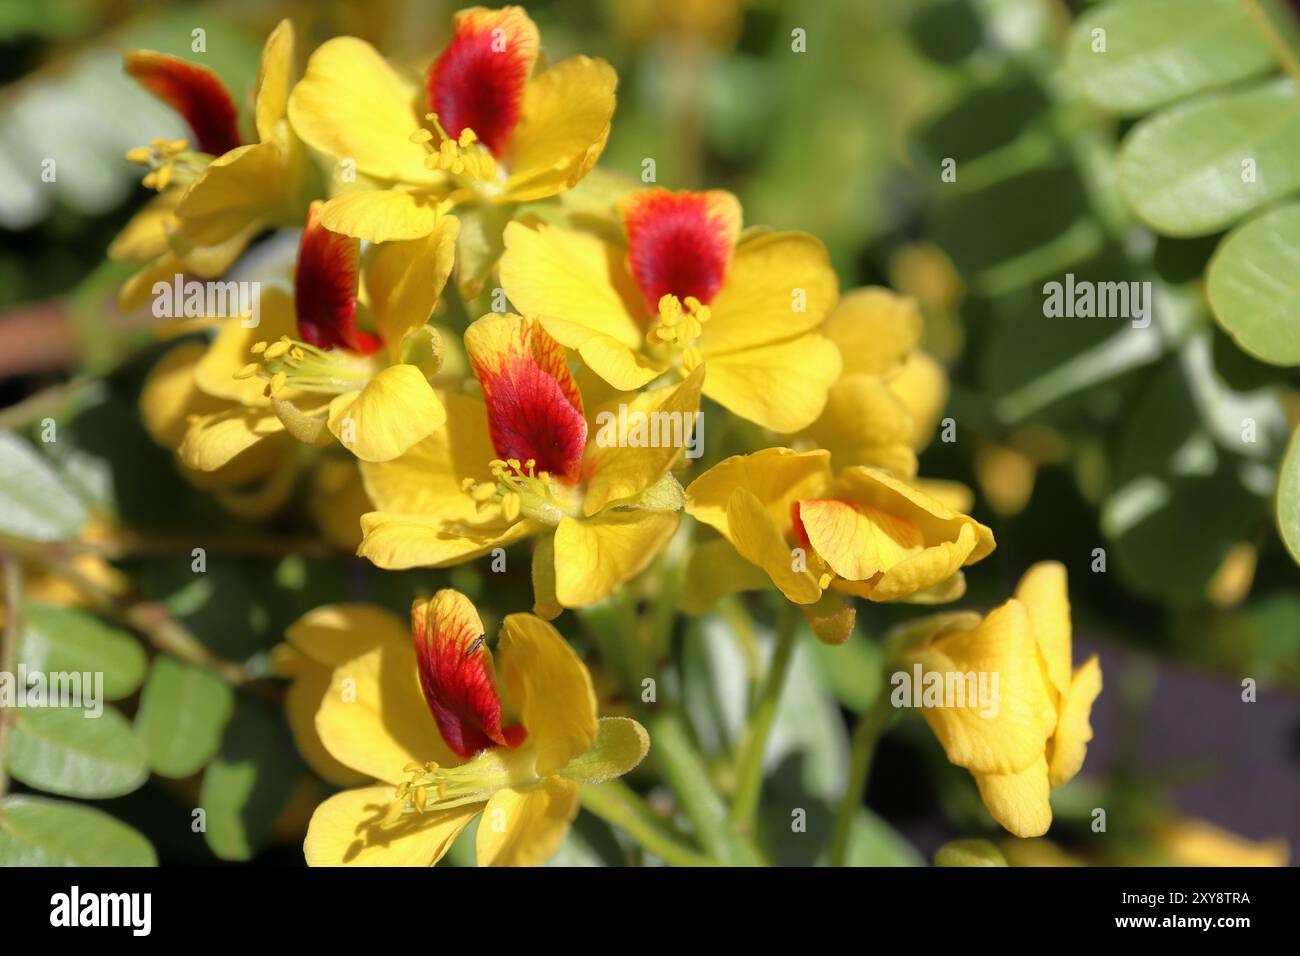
x=193 y=91
x=325 y=288
x=478 y=82
x=457 y=676
x=679 y=243
x=533 y=404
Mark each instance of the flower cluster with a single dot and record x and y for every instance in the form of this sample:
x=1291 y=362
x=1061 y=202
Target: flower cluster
x=443 y=426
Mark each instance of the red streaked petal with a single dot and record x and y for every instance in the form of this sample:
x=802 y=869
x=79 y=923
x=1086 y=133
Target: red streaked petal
x=679 y=243
x=456 y=674
x=193 y=91
x=478 y=82
x=534 y=406
x=325 y=289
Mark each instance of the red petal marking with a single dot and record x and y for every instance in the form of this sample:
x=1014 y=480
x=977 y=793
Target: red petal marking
x=456 y=675
x=193 y=91
x=800 y=532
x=533 y=404
x=478 y=82
x=325 y=289
x=679 y=243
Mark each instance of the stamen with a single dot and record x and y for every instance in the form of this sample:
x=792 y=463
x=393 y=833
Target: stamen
x=463 y=156
x=521 y=490
x=298 y=365
x=679 y=323
x=169 y=162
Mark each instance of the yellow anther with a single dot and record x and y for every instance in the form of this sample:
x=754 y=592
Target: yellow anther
x=413 y=767
x=467 y=484
x=258 y=348
x=419 y=798
x=297 y=354
x=824 y=581
x=277 y=382
x=394 y=813
x=248 y=371
x=421 y=136
x=140 y=155
x=484 y=492
x=276 y=349
x=514 y=465
x=511 y=506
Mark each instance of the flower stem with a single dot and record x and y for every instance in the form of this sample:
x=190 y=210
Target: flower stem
x=865 y=736
x=749 y=768
x=13 y=591
x=619 y=805
x=685 y=772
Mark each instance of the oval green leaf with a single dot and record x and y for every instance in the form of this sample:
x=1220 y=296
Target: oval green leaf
x=38 y=831
x=1253 y=284
x=1199 y=167
x=1288 y=498
x=1159 y=51
x=36 y=503
x=64 y=751
x=183 y=710
x=68 y=641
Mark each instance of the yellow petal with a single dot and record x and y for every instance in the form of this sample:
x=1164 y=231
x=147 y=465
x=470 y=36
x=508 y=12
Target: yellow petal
x=144 y=237
x=617 y=468
x=345 y=831
x=1073 y=730
x=922 y=386
x=170 y=395
x=778 y=287
x=776 y=476
x=621 y=743
x=301 y=702
x=215 y=441
x=1201 y=843
x=350 y=104
x=396 y=542
x=1008 y=731
x=405 y=279
x=594 y=556
x=335 y=633
x=622 y=367
x=1018 y=801
x=550 y=687
x=864 y=423
x=337 y=501
x=525 y=828
x=574 y=280
x=781 y=385
x=756 y=537
x=563 y=126
x=244 y=186
x=875 y=330
x=381 y=215
x=373 y=718
x=1044 y=592
x=274 y=78
x=231 y=350
x=395 y=410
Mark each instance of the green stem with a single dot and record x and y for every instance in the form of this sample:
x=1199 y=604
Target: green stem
x=749 y=768
x=13 y=584
x=865 y=736
x=684 y=770
x=619 y=805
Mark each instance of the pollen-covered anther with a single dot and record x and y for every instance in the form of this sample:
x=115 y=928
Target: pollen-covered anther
x=168 y=160
x=680 y=322
x=461 y=155
x=522 y=491
x=286 y=363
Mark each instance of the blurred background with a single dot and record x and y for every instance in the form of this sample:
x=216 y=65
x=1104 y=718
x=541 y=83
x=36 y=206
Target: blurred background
x=833 y=117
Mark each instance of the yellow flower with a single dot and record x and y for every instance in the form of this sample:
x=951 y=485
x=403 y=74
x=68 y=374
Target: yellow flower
x=1191 y=842
x=308 y=370
x=883 y=408
x=687 y=288
x=216 y=197
x=483 y=130
x=864 y=533
x=1034 y=736
x=525 y=461
x=431 y=724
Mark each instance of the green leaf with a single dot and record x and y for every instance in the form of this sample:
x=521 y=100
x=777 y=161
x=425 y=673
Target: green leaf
x=873 y=842
x=35 y=501
x=1184 y=170
x=183 y=710
x=1288 y=498
x=65 y=751
x=1253 y=285
x=246 y=786
x=64 y=640
x=38 y=831
x=1158 y=51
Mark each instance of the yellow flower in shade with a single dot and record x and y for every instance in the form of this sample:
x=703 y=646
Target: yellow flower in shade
x=216 y=194
x=688 y=288
x=865 y=532
x=883 y=408
x=309 y=370
x=526 y=461
x=483 y=129
x=1192 y=842
x=1035 y=737
x=431 y=723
